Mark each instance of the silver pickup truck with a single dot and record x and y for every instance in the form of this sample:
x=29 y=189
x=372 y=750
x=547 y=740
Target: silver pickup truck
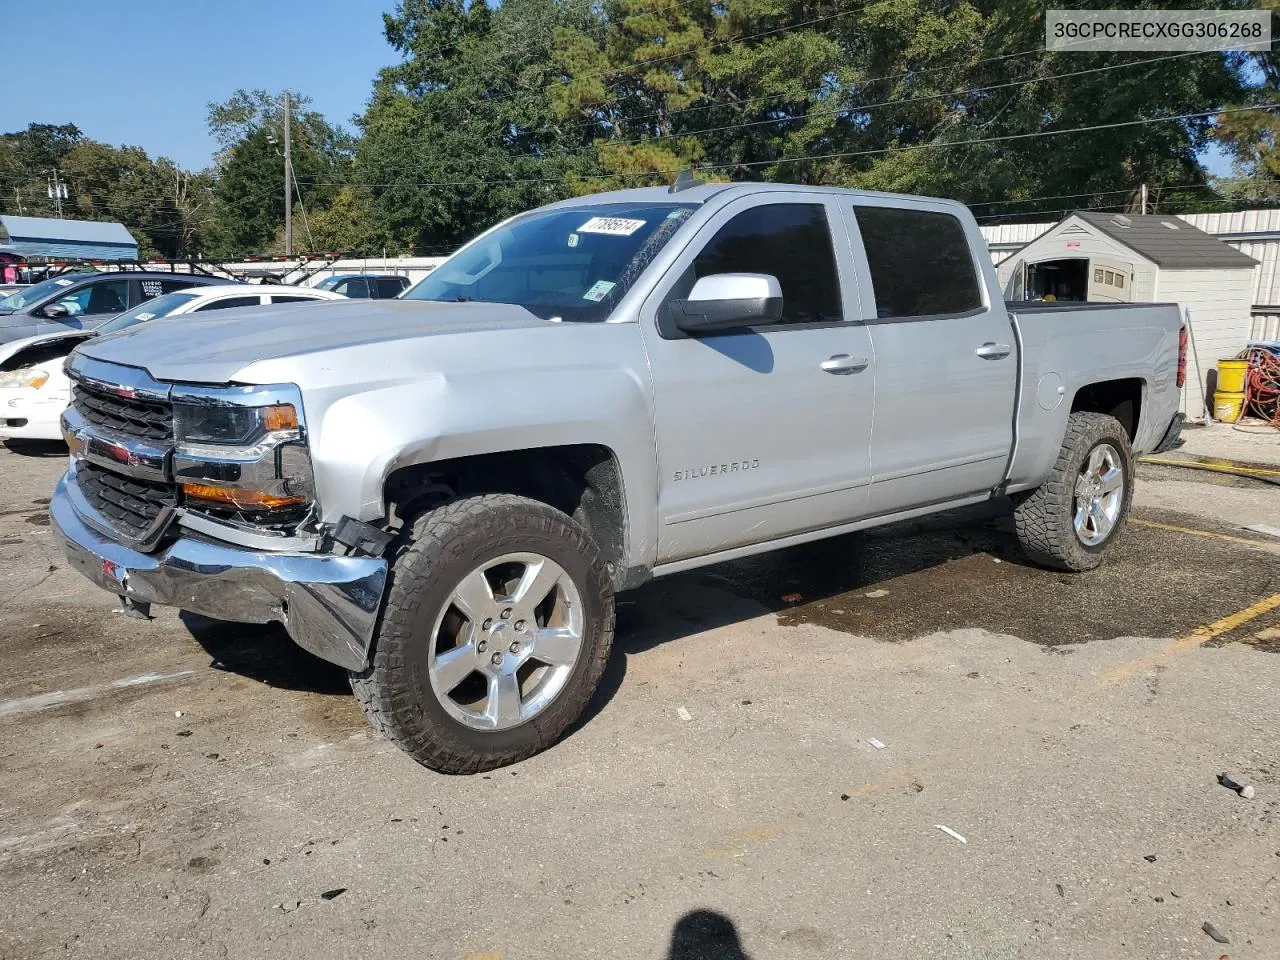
x=442 y=493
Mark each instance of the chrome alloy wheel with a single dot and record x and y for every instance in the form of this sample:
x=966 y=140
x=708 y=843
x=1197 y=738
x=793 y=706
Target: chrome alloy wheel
x=506 y=641
x=1099 y=495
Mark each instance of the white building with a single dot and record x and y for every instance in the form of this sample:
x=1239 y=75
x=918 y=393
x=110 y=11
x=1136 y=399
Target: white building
x=1118 y=258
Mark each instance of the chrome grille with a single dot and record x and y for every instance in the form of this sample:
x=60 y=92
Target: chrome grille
x=132 y=506
x=145 y=419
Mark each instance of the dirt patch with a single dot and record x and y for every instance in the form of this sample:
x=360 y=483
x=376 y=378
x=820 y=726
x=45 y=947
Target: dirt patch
x=964 y=569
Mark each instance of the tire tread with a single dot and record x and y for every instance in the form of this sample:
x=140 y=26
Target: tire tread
x=385 y=690
x=1043 y=517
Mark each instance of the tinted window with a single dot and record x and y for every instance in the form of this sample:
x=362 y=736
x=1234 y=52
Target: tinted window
x=792 y=242
x=391 y=286
x=357 y=288
x=282 y=298
x=104 y=298
x=228 y=303
x=920 y=262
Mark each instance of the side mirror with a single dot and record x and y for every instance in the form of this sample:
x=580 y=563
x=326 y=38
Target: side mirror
x=728 y=301
x=56 y=311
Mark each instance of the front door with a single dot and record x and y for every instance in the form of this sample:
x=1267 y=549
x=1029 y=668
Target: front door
x=756 y=438
x=946 y=361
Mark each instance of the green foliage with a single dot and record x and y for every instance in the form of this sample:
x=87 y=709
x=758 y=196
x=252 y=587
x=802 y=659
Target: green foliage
x=249 y=192
x=468 y=104
x=165 y=208
x=490 y=110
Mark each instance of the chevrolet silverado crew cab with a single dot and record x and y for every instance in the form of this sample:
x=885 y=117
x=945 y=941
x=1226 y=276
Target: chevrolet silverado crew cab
x=443 y=493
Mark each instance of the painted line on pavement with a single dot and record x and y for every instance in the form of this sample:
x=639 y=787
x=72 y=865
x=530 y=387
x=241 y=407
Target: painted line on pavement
x=1196 y=638
x=1192 y=531
x=58 y=698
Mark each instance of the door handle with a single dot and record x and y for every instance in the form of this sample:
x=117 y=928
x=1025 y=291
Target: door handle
x=994 y=351
x=843 y=363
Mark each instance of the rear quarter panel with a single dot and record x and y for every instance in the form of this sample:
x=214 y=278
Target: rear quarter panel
x=1065 y=349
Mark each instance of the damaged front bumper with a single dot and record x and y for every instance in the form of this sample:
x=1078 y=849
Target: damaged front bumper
x=328 y=604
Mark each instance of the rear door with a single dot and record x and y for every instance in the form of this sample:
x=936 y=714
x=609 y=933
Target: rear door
x=763 y=432
x=946 y=362
x=389 y=287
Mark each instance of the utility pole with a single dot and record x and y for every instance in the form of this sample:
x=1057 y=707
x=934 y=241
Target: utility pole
x=17 y=196
x=1144 y=199
x=57 y=193
x=288 y=178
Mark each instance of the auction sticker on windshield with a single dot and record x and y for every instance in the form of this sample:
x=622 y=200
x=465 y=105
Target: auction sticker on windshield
x=599 y=290
x=615 y=226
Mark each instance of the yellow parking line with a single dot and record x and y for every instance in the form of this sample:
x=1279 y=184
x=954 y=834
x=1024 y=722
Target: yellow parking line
x=1197 y=637
x=1219 y=466
x=1260 y=544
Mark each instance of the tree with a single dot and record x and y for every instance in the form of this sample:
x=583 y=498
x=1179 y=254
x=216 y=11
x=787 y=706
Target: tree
x=27 y=159
x=348 y=225
x=1253 y=139
x=462 y=134
x=249 y=191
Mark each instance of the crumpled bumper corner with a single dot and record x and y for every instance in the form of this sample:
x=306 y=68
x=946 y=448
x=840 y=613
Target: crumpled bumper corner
x=328 y=604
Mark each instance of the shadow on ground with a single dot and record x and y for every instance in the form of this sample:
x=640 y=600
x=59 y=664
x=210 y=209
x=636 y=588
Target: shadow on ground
x=954 y=570
x=705 y=935
x=266 y=654
x=37 y=448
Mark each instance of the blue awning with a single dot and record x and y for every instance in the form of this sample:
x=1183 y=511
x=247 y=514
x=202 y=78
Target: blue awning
x=26 y=237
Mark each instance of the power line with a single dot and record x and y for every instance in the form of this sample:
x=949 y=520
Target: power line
x=1108 y=206
x=862 y=108
x=1106 y=193
x=825 y=156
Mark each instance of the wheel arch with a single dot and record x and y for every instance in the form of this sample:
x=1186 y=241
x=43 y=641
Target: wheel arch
x=583 y=480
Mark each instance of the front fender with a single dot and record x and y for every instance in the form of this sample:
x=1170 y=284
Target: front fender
x=360 y=436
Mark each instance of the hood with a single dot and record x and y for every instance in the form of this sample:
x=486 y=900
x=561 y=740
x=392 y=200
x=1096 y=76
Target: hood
x=13 y=347
x=213 y=347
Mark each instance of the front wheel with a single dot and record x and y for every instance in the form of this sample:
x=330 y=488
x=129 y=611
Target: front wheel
x=1073 y=518
x=496 y=632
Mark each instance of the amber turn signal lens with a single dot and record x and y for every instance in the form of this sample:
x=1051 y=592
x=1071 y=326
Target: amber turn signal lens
x=241 y=499
x=282 y=416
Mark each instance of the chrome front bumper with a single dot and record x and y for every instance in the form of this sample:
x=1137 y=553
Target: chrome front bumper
x=328 y=604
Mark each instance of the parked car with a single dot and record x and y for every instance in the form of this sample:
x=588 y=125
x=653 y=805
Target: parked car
x=365 y=286
x=81 y=301
x=34 y=389
x=443 y=494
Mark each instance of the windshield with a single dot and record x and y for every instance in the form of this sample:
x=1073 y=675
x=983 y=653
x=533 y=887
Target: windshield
x=329 y=283
x=30 y=295
x=161 y=306
x=569 y=264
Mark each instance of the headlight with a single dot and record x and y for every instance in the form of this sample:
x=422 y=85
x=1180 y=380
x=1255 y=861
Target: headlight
x=28 y=377
x=207 y=422
x=242 y=448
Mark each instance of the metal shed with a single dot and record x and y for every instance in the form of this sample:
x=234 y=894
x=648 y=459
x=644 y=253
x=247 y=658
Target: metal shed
x=26 y=237
x=1118 y=258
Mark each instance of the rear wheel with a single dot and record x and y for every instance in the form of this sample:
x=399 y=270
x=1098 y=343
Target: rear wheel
x=1072 y=519
x=496 y=632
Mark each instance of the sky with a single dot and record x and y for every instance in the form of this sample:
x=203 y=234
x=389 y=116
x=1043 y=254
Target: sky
x=142 y=72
